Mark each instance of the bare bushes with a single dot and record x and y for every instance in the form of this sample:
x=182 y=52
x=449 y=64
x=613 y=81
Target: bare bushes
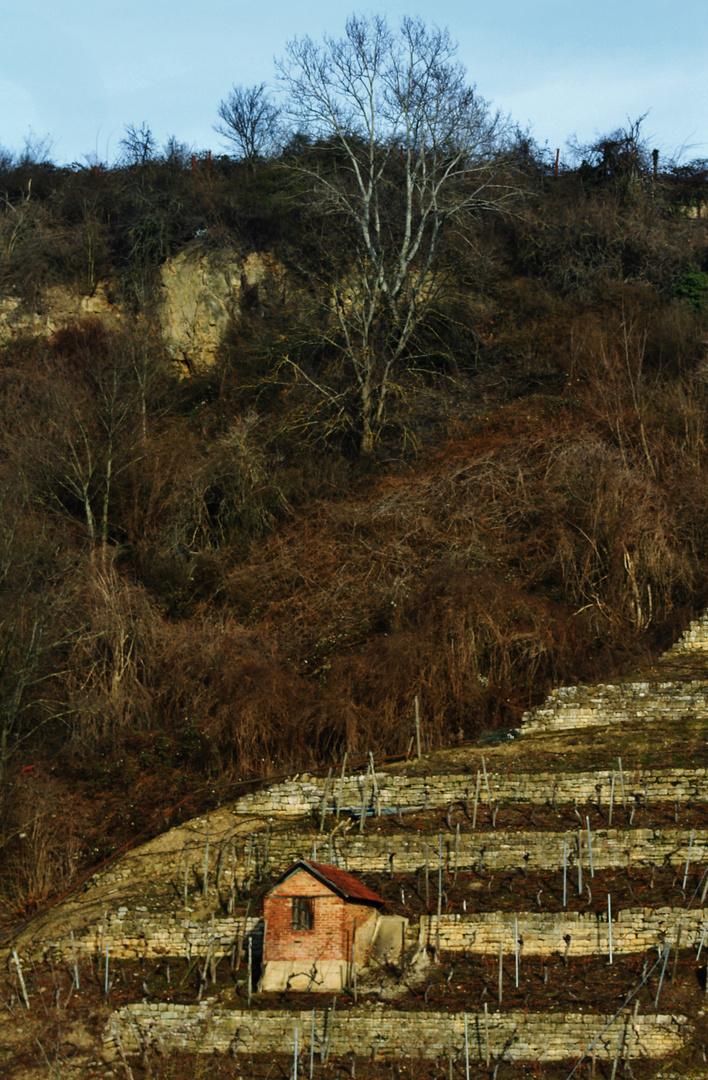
x=40 y=842
x=107 y=681
x=618 y=550
x=236 y=693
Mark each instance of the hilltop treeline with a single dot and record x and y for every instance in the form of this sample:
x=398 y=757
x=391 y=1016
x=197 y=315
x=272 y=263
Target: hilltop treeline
x=204 y=578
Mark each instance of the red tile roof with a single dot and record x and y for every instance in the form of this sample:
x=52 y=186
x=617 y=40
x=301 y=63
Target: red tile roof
x=348 y=887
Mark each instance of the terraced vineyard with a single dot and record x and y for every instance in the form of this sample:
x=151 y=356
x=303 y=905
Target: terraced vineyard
x=555 y=886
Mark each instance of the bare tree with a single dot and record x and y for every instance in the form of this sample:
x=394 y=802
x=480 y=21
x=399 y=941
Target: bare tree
x=405 y=146
x=80 y=421
x=138 y=145
x=249 y=121
x=33 y=569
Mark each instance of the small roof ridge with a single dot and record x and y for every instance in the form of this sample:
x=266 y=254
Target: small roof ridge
x=340 y=881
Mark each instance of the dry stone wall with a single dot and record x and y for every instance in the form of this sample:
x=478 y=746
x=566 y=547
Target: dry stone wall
x=570 y=707
x=387 y=1033
x=694 y=639
x=487 y=851
x=634 y=930
x=299 y=798
x=136 y=934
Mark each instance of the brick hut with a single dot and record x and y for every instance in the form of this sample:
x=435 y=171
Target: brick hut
x=315 y=915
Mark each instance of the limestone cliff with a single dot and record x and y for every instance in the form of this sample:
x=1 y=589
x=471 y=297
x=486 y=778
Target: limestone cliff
x=201 y=293
x=57 y=306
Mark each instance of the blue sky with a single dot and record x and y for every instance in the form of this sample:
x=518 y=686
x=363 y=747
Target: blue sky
x=78 y=71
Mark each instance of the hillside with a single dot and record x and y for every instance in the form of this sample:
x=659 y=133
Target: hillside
x=207 y=579
x=469 y=845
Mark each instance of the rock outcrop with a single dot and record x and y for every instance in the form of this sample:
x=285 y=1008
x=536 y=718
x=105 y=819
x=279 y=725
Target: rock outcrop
x=203 y=292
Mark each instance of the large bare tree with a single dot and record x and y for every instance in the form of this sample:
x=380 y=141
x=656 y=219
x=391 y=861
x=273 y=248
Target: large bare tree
x=249 y=120
x=405 y=146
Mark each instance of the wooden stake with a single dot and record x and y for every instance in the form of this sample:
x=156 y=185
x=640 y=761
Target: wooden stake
x=123 y=1058
x=205 y=881
x=467 y=1051
x=676 y=954
x=516 y=948
x=295 y=1056
x=612 y=798
x=501 y=973
x=312 y=1039
x=700 y=946
x=476 y=800
x=620 y=1039
x=364 y=799
x=688 y=860
x=565 y=873
x=457 y=851
x=486 y=1032
x=377 y=802
x=341 y=785
x=486 y=781
x=223 y=848
x=609 y=924
x=20 y=976
x=705 y=887
x=667 y=950
x=352 y=969
x=250 y=971
x=186 y=874
x=580 y=862
x=427 y=878
x=632 y=1026
x=328 y=1040
x=232 y=887
x=248 y=859
x=324 y=800
x=437 y=929
x=417 y=726
x=76 y=965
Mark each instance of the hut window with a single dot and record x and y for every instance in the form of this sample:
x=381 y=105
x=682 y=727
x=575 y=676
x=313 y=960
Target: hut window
x=303 y=913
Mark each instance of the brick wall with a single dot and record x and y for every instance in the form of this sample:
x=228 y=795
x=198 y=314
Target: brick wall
x=327 y=940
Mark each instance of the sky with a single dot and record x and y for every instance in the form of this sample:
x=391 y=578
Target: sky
x=78 y=71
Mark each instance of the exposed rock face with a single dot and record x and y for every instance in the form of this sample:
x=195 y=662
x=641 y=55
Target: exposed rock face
x=203 y=292
x=58 y=307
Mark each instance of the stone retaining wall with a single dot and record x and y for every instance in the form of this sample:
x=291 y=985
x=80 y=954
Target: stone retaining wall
x=694 y=638
x=486 y=851
x=634 y=930
x=267 y=852
x=390 y=1034
x=570 y=707
x=136 y=934
x=297 y=798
